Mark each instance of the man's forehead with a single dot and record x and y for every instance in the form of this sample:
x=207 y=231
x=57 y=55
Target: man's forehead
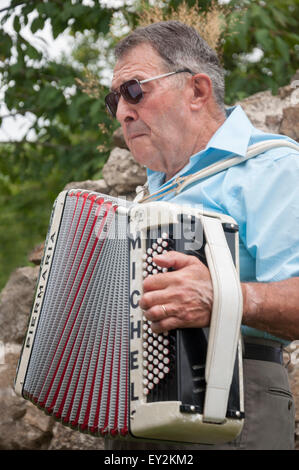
x=140 y=62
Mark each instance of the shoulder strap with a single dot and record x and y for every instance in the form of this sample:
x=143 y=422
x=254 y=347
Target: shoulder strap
x=181 y=182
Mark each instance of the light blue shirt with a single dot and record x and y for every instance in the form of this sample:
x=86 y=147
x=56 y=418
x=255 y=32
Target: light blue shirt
x=261 y=194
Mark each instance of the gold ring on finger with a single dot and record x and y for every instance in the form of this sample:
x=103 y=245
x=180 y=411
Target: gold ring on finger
x=164 y=310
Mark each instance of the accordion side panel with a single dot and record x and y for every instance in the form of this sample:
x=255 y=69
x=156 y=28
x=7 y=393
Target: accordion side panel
x=78 y=369
x=40 y=289
x=52 y=327
x=70 y=299
x=87 y=312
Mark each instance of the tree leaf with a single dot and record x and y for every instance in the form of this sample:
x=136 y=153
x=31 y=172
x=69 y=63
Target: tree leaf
x=282 y=47
x=264 y=39
x=266 y=20
x=279 y=16
x=37 y=23
x=16 y=24
x=5 y=45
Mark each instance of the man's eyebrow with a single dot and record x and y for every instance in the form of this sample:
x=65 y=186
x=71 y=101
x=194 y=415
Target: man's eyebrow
x=113 y=88
x=137 y=77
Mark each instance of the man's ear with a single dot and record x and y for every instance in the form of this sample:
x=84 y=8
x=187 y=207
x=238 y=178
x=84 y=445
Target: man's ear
x=201 y=90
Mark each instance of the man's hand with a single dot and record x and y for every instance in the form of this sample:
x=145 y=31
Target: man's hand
x=186 y=294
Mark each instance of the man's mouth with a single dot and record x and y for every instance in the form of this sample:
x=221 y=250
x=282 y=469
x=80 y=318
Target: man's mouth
x=135 y=136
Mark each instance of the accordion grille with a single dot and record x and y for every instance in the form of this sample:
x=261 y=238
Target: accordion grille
x=78 y=369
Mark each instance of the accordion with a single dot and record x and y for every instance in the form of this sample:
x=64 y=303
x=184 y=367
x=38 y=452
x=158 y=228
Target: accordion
x=90 y=358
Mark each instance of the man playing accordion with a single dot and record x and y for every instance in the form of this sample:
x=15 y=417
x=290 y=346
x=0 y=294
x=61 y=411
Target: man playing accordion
x=167 y=93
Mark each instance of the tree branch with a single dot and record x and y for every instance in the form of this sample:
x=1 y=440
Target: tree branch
x=15 y=114
x=10 y=7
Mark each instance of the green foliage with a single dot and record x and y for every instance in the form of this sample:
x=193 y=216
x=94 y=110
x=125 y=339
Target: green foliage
x=65 y=120
x=270 y=26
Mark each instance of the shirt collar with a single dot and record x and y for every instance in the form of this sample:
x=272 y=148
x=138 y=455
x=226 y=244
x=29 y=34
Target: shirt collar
x=232 y=137
x=234 y=134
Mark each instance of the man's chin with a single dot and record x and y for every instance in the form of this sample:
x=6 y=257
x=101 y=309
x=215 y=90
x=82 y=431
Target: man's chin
x=137 y=143
x=145 y=157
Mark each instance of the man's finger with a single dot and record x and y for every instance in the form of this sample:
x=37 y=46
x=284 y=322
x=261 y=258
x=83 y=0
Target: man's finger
x=156 y=297
x=157 y=282
x=166 y=324
x=158 y=312
x=175 y=260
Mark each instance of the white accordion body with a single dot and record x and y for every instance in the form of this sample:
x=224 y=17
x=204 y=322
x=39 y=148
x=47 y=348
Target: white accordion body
x=89 y=356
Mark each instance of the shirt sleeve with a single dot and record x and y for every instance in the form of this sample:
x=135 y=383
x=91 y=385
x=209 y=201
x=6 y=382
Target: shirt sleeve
x=263 y=196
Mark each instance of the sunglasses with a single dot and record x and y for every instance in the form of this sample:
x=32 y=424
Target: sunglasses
x=132 y=92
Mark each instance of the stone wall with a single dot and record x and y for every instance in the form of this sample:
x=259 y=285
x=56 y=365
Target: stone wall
x=22 y=425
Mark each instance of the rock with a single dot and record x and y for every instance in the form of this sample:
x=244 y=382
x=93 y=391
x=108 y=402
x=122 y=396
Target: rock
x=291 y=358
x=99 y=186
x=294 y=386
x=118 y=139
x=16 y=302
x=290 y=122
x=22 y=425
x=35 y=256
x=67 y=439
x=271 y=113
x=122 y=172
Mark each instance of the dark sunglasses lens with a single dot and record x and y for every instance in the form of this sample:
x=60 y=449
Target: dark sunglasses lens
x=131 y=91
x=111 y=102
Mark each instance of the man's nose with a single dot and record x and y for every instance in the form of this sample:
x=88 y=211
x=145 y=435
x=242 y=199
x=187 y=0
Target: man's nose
x=125 y=111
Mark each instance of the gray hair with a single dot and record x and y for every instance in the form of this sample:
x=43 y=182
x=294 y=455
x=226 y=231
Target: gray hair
x=179 y=46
